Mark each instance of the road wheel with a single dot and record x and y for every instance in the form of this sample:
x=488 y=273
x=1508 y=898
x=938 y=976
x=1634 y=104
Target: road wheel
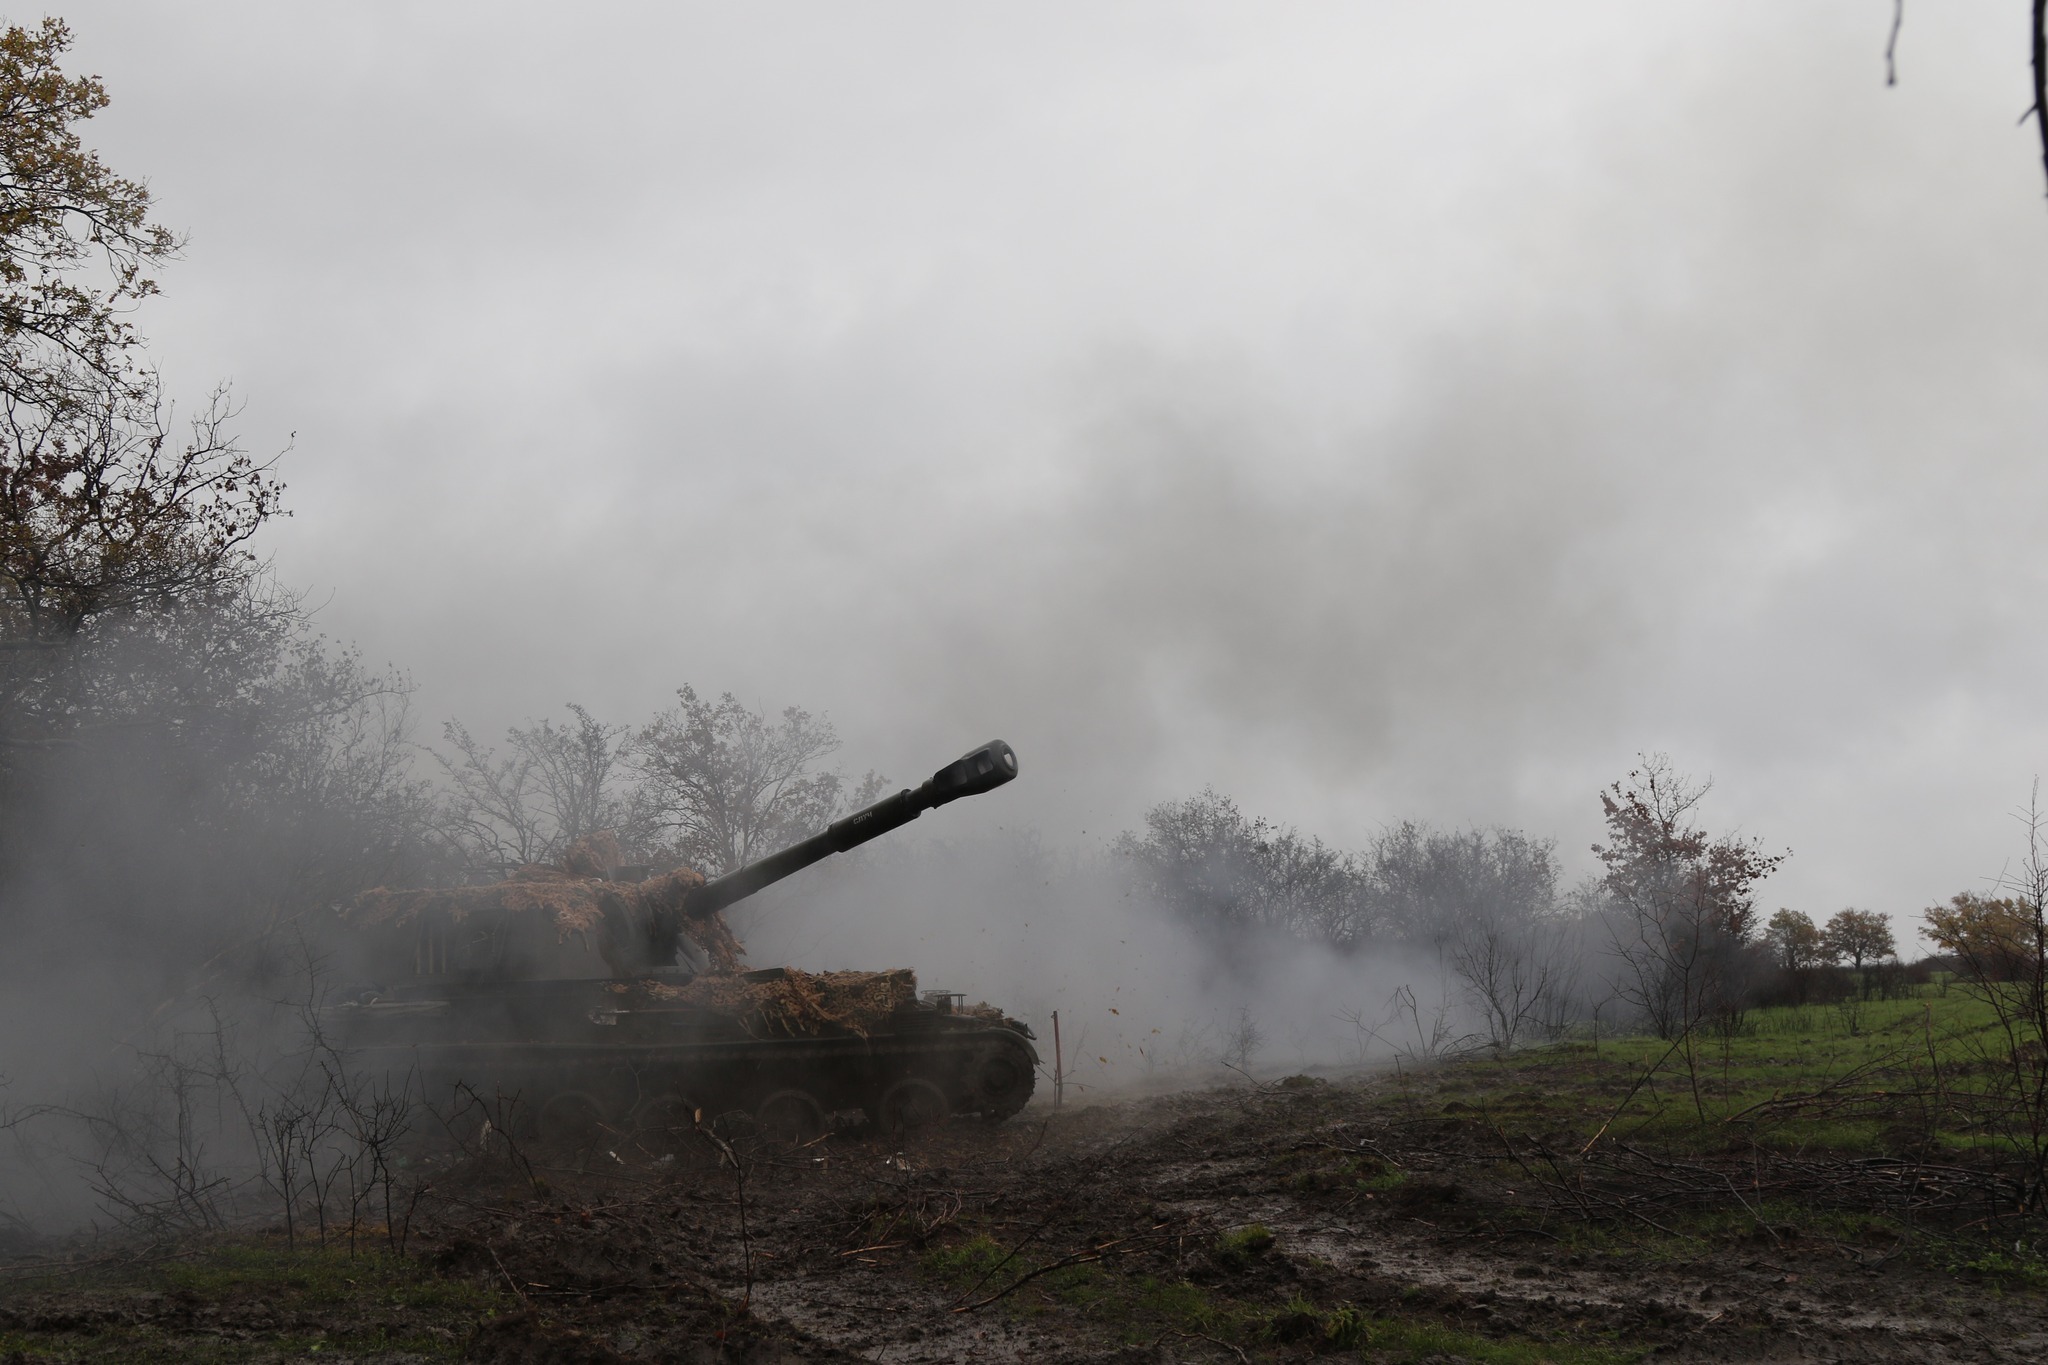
x=912 y=1105
x=790 y=1116
x=735 y=1125
x=1003 y=1086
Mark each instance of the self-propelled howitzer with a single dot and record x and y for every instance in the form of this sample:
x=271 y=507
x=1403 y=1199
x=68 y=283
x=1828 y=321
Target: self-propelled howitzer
x=498 y=989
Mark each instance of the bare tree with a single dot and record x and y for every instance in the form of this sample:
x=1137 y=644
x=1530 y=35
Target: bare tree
x=576 y=768
x=2038 y=51
x=723 y=785
x=555 y=784
x=491 y=809
x=1408 y=1030
x=1427 y=883
x=1243 y=1041
x=1510 y=974
x=1486 y=901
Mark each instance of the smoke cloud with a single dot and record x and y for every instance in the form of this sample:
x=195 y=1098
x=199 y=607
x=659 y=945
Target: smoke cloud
x=1373 y=416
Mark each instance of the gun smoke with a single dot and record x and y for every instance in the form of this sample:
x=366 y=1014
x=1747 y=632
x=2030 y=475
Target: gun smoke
x=1277 y=483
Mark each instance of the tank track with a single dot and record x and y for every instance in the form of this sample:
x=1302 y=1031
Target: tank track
x=790 y=1086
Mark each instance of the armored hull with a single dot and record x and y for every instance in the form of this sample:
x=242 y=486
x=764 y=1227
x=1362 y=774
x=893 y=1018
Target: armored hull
x=586 y=1058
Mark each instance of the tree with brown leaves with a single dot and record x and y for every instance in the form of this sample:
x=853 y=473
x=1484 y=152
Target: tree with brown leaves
x=1686 y=900
x=1859 y=935
x=1795 y=941
x=109 y=507
x=76 y=241
x=2001 y=950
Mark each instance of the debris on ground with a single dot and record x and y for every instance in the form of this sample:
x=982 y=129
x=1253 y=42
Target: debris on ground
x=1369 y=1218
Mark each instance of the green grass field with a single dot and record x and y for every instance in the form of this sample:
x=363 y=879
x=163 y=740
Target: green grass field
x=1864 y=1076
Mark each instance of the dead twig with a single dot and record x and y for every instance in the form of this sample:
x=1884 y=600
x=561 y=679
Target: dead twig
x=1891 y=44
x=1199 y=1336
x=510 y=1282
x=1010 y=1256
x=1779 y=1103
x=1095 y=1253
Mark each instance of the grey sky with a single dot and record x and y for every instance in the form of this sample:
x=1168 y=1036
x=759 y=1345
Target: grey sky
x=1374 y=411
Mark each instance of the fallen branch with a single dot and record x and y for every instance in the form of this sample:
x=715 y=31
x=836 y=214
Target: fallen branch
x=1200 y=1336
x=1632 y=1092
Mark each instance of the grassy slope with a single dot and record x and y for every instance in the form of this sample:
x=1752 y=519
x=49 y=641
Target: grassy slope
x=241 y=1299
x=1821 y=1081
x=1864 y=1077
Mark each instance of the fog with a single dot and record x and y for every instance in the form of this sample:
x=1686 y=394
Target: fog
x=1145 y=1001
x=1373 y=413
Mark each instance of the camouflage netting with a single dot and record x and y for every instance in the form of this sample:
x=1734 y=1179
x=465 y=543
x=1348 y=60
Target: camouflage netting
x=573 y=903
x=594 y=855
x=574 y=893
x=711 y=933
x=790 y=1003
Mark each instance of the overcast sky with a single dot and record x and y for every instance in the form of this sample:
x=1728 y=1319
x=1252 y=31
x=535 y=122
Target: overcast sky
x=1373 y=411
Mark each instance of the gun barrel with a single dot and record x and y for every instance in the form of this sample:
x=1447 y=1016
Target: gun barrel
x=977 y=771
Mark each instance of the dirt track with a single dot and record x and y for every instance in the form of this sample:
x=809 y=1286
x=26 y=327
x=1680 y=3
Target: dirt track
x=1142 y=1209
x=1347 y=1220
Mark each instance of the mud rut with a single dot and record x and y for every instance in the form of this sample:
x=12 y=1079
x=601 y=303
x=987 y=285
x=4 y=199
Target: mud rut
x=1050 y=1238
x=846 y=1245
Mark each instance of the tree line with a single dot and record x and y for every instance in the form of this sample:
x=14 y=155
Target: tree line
x=1666 y=935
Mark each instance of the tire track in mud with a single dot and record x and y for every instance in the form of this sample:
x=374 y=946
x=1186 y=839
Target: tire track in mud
x=1208 y=1163
x=1362 y=1201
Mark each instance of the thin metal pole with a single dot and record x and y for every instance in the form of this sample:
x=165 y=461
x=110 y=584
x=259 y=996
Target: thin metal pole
x=1059 y=1074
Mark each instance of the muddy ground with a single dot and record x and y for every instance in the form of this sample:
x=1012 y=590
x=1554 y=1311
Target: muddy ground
x=1362 y=1218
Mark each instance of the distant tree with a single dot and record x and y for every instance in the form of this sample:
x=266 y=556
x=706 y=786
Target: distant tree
x=1991 y=937
x=1486 y=901
x=1795 y=941
x=1859 y=935
x=1204 y=860
x=723 y=785
x=1225 y=873
x=1427 y=883
x=240 y=775
x=1518 y=973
